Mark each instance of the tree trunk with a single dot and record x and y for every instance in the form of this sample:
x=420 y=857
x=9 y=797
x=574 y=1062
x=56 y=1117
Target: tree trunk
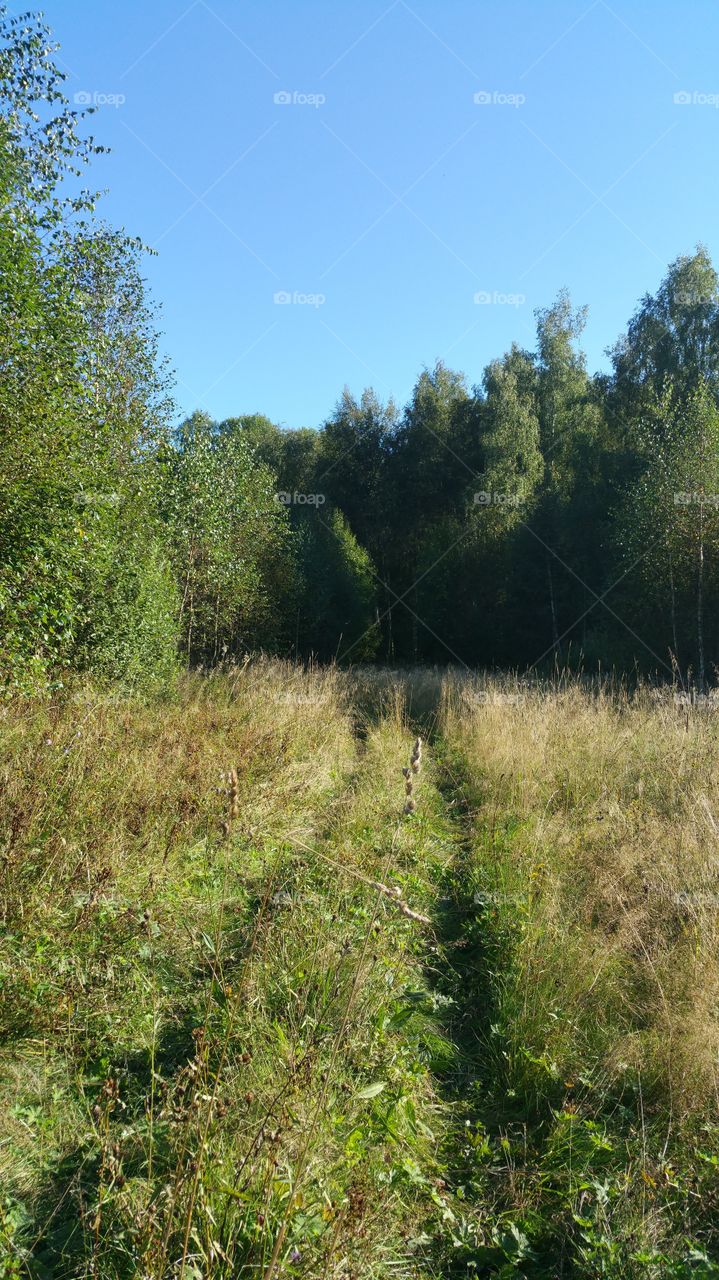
x=672 y=590
x=390 y=637
x=700 y=602
x=217 y=627
x=189 y=629
x=555 y=629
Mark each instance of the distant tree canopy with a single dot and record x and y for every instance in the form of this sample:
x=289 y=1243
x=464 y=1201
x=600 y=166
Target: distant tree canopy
x=542 y=516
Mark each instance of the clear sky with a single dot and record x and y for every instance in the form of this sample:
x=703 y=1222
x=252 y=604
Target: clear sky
x=383 y=197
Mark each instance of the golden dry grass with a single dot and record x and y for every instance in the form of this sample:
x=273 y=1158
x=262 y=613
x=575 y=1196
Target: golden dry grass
x=613 y=808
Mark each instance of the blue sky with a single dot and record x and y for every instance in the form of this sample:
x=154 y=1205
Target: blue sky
x=383 y=197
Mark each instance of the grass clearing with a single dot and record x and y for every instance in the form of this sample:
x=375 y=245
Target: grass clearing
x=228 y=1052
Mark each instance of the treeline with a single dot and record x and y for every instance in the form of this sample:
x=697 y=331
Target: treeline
x=542 y=516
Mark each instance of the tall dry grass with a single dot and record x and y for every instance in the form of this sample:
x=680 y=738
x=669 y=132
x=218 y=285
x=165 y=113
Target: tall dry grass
x=209 y=921
x=597 y=829
x=99 y=789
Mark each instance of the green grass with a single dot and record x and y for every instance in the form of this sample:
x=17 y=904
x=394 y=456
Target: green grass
x=227 y=1052
x=218 y=1042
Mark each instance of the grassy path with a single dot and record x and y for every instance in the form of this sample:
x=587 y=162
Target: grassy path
x=259 y=1022
x=550 y=1173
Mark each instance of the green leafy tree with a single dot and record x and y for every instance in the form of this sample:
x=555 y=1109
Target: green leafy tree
x=673 y=335
x=426 y=481
x=670 y=520
x=352 y=460
x=561 y=547
x=230 y=542
x=82 y=397
x=337 y=609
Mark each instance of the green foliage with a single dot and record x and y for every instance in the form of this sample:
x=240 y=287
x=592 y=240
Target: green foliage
x=337 y=610
x=117 y=544
x=352 y=452
x=229 y=542
x=82 y=403
x=513 y=460
x=670 y=520
x=129 y=634
x=672 y=336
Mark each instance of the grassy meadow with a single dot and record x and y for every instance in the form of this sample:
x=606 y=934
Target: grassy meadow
x=262 y=1016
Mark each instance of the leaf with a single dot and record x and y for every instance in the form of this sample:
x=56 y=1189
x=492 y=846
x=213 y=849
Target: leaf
x=371 y=1090
x=401 y=1018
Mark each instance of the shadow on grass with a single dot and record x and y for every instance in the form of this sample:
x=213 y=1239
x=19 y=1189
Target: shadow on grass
x=57 y=1234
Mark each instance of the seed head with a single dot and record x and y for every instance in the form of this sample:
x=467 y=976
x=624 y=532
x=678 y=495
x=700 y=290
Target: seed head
x=233 y=791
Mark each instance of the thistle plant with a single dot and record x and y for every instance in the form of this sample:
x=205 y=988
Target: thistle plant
x=233 y=790
x=234 y=803
x=408 y=772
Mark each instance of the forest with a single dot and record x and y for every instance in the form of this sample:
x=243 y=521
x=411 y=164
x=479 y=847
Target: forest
x=540 y=516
